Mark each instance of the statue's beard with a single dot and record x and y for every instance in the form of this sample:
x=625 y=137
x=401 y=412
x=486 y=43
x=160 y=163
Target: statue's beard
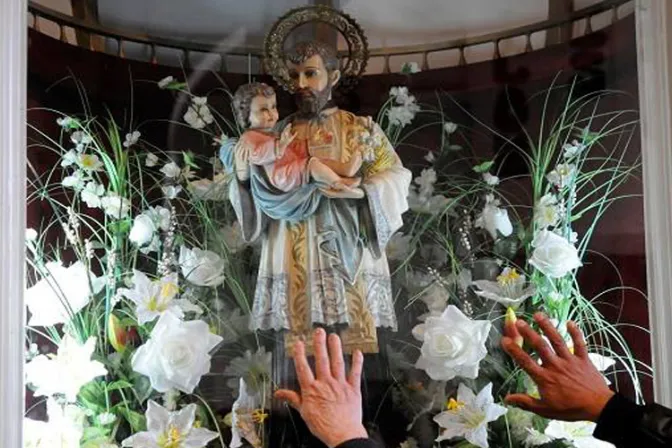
x=311 y=102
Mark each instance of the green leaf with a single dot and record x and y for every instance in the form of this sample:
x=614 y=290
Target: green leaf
x=120 y=227
x=135 y=419
x=93 y=434
x=483 y=167
x=142 y=386
x=92 y=396
x=189 y=157
x=118 y=385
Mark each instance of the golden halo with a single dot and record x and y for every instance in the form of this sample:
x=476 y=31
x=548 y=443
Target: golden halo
x=358 y=48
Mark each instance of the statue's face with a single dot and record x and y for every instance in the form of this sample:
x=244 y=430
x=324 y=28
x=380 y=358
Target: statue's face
x=263 y=112
x=312 y=84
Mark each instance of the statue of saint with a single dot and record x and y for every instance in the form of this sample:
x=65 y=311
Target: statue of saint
x=323 y=248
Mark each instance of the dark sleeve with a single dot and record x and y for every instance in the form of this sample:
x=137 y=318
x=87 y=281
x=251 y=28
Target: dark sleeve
x=628 y=425
x=359 y=443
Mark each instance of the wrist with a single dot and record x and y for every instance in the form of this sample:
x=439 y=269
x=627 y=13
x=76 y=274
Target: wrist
x=599 y=404
x=351 y=434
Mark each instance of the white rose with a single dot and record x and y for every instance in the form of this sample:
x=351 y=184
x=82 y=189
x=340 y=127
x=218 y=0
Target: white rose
x=494 y=219
x=152 y=160
x=177 y=354
x=553 y=255
x=490 y=179
x=201 y=267
x=452 y=345
x=116 y=206
x=142 y=231
x=546 y=212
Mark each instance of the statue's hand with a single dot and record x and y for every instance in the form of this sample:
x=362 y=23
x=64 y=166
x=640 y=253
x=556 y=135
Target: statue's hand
x=286 y=138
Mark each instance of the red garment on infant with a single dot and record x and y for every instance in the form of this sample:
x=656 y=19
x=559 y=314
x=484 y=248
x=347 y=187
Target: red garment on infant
x=287 y=172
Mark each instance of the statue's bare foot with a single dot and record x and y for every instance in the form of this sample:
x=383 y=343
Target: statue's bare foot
x=343 y=192
x=353 y=165
x=352 y=182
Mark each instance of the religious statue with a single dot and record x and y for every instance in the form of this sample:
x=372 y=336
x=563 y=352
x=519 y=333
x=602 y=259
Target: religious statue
x=323 y=190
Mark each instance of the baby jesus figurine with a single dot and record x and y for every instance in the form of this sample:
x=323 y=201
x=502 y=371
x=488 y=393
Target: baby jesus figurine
x=287 y=162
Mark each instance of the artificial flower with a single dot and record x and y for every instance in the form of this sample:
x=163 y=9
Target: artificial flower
x=154 y=298
x=131 y=139
x=167 y=429
x=572 y=150
x=449 y=127
x=81 y=140
x=67 y=123
x=509 y=289
x=171 y=170
x=494 y=219
x=115 y=206
x=469 y=415
x=215 y=189
x=92 y=193
x=151 y=160
x=430 y=157
x=232 y=234
x=553 y=255
x=106 y=418
x=434 y=254
x=64 y=429
x=69 y=158
x=490 y=179
x=547 y=212
x=536 y=438
x=243 y=424
x=399 y=247
x=452 y=345
x=31 y=234
x=562 y=175
x=61 y=293
x=90 y=162
x=66 y=372
x=171 y=191
x=142 y=231
x=76 y=181
x=255 y=369
x=580 y=434
x=165 y=82
x=409 y=443
x=177 y=354
x=201 y=267
x=198 y=115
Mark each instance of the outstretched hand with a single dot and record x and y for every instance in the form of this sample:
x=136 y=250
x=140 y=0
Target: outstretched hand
x=570 y=387
x=329 y=403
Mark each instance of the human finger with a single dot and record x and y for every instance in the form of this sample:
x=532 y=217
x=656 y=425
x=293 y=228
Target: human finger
x=523 y=359
x=336 y=358
x=355 y=376
x=557 y=341
x=322 y=369
x=538 y=343
x=303 y=372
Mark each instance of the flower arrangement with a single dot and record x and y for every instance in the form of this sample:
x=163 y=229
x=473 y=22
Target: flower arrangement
x=140 y=274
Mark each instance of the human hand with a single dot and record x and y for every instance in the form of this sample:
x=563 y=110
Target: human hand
x=570 y=387
x=329 y=403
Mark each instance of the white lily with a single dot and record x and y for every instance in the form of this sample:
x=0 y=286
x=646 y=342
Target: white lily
x=562 y=175
x=153 y=298
x=170 y=429
x=469 y=415
x=131 y=139
x=580 y=434
x=66 y=372
x=198 y=115
x=509 y=289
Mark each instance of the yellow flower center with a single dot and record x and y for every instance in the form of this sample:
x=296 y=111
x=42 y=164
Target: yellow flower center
x=508 y=277
x=169 y=289
x=259 y=416
x=172 y=438
x=453 y=405
x=88 y=161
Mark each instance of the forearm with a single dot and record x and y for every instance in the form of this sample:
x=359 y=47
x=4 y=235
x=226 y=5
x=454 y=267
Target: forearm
x=627 y=425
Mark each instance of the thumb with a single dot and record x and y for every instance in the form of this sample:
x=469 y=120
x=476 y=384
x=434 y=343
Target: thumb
x=290 y=397
x=526 y=402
